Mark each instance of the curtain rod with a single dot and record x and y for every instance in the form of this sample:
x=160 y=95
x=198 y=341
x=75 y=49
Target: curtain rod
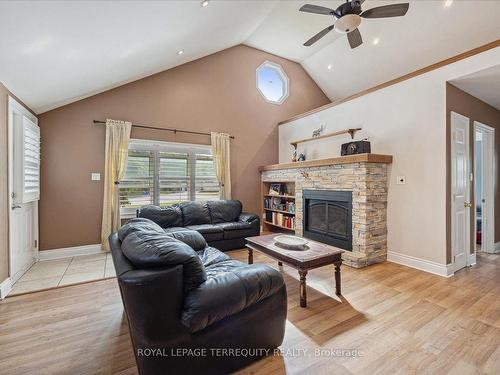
x=166 y=129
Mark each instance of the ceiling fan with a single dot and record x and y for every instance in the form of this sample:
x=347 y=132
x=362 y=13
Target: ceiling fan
x=347 y=18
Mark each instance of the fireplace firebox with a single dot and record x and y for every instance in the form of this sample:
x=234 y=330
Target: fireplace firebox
x=328 y=217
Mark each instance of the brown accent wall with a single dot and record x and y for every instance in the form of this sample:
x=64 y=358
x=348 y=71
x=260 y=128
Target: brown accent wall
x=476 y=110
x=215 y=93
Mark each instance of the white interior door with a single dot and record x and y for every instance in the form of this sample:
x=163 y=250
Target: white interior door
x=485 y=194
x=23 y=179
x=460 y=189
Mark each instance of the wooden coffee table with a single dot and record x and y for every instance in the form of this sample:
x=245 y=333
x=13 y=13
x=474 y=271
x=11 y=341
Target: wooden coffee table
x=316 y=255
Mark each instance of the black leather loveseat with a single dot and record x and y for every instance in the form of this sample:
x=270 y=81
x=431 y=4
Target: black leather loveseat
x=191 y=309
x=222 y=223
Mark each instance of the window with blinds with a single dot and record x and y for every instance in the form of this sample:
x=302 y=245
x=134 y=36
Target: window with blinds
x=137 y=188
x=207 y=186
x=26 y=161
x=165 y=173
x=174 y=178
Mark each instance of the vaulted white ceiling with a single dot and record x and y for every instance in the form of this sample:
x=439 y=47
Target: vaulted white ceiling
x=484 y=85
x=55 y=52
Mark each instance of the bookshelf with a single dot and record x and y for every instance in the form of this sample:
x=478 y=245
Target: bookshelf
x=278 y=208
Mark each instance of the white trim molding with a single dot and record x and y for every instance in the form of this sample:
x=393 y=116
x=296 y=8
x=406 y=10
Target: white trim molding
x=68 y=252
x=445 y=270
x=5 y=288
x=497 y=247
x=472 y=259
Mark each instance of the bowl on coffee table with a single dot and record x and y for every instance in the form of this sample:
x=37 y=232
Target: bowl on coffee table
x=291 y=242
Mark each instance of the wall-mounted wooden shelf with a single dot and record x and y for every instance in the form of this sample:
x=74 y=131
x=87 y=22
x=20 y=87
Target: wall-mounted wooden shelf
x=340 y=132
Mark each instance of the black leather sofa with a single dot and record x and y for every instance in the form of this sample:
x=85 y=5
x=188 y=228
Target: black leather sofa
x=222 y=223
x=191 y=309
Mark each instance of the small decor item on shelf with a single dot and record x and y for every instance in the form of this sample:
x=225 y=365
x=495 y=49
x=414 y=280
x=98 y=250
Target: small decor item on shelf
x=291 y=242
x=294 y=155
x=356 y=147
x=276 y=189
x=319 y=131
x=302 y=157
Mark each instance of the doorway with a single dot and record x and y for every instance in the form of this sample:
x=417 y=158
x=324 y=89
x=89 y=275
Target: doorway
x=24 y=188
x=484 y=172
x=460 y=189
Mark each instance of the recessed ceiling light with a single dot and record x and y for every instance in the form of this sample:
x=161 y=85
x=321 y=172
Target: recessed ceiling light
x=204 y=3
x=448 y=3
x=329 y=67
x=376 y=41
x=180 y=52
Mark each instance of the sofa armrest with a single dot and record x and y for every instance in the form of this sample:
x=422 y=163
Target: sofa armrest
x=253 y=220
x=249 y=218
x=153 y=301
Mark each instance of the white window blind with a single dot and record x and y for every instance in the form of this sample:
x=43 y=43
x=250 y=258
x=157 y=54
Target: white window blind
x=26 y=162
x=165 y=173
x=136 y=189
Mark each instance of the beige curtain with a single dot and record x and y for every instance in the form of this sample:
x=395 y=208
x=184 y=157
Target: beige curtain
x=222 y=160
x=117 y=140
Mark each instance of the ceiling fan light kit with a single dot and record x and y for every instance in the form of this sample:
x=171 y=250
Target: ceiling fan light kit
x=347 y=23
x=347 y=17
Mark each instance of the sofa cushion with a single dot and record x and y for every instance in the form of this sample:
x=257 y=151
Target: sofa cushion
x=194 y=213
x=175 y=229
x=190 y=237
x=138 y=225
x=231 y=286
x=208 y=231
x=210 y=255
x=224 y=210
x=165 y=217
x=154 y=250
x=236 y=229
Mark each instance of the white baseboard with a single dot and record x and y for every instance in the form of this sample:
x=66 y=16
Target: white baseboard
x=68 y=252
x=421 y=264
x=472 y=259
x=5 y=288
x=497 y=247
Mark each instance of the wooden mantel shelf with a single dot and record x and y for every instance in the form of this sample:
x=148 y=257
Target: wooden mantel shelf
x=360 y=158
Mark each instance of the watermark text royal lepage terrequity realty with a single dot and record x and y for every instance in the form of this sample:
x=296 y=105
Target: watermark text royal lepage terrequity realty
x=248 y=352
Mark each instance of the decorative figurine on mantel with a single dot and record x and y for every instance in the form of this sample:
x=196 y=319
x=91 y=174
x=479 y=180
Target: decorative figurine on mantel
x=302 y=157
x=319 y=131
x=294 y=155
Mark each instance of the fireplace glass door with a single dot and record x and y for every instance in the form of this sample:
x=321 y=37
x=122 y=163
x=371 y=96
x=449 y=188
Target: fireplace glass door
x=328 y=217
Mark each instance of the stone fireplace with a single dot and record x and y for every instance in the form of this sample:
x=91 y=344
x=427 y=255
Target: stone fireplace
x=363 y=179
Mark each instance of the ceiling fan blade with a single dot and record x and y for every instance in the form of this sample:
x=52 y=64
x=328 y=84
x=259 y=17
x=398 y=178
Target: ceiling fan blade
x=318 y=36
x=354 y=38
x=394 y=10
x=310 y=8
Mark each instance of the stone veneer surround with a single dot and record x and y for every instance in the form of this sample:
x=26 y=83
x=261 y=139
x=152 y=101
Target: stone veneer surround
x=368 y=183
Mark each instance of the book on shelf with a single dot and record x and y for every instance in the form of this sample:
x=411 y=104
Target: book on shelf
x=278 y=218
x=279 y=205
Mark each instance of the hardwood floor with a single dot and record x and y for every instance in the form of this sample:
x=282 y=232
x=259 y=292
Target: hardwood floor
x=399 y=320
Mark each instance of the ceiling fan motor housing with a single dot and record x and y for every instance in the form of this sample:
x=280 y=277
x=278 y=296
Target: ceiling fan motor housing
x=348 y=17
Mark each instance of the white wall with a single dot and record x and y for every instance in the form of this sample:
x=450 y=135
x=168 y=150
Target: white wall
x=408 y=121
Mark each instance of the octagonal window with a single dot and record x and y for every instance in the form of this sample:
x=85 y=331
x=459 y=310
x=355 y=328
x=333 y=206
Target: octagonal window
x=272 y=82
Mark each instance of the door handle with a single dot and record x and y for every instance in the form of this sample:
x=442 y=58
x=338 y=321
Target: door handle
x=467 y=204
x=17 y=206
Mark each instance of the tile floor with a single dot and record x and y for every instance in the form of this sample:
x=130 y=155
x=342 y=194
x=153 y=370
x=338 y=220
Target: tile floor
x=59 y=272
